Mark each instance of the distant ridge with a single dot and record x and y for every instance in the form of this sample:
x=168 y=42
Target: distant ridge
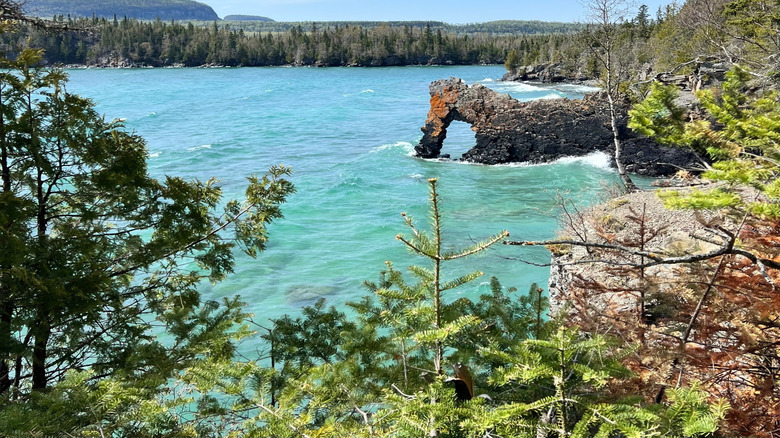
x=140 y=9
x=247 y=18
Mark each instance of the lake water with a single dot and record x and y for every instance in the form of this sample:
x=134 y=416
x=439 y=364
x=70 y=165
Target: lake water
x=348 y=134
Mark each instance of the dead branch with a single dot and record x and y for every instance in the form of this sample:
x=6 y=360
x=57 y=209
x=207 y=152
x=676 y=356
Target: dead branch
x=655 y=259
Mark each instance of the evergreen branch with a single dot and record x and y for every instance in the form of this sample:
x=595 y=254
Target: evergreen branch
x=461 y=280
x=414 y=247
x=275 y=415
x=479 y=247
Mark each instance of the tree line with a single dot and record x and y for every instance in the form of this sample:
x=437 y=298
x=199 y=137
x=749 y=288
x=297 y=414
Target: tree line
x=159 y=43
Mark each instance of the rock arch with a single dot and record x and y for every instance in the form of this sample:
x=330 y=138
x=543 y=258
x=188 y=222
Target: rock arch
x=508 y=130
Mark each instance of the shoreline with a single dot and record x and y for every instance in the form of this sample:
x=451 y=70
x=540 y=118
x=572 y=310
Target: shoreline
x=177 y=66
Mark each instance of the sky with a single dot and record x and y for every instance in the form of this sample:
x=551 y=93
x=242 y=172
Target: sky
x=450 y=11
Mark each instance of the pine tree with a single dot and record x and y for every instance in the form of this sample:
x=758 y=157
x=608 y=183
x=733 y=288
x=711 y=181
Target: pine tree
x=741 y=136
x=102 y=252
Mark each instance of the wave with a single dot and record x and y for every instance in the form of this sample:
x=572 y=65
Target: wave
x=600 y=160
x=521 y=88
x=196 y=148
x=486 y=80
x=405 y=146
x=367 y=91
x=576 y=89
x=154 y=155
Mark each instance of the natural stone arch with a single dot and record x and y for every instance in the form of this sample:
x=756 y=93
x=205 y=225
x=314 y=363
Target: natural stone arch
x=508 y=130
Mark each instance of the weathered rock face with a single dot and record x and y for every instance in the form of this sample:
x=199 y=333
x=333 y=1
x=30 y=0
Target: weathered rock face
x=544 y=73
x=508 y=130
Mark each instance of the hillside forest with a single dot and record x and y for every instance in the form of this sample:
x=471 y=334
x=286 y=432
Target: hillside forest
x=103 y=331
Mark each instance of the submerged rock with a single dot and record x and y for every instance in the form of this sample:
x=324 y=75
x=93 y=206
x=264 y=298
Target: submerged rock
x=508 y=130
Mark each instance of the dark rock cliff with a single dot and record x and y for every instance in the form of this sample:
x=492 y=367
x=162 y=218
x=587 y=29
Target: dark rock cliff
x=508 y=130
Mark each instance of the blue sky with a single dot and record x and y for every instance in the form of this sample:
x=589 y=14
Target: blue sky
x=451 y=11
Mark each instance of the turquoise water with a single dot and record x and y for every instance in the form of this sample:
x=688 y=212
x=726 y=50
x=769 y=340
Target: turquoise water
x=348 y=134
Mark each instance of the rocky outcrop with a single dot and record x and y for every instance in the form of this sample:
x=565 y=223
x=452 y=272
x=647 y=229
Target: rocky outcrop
x=546 y=73
x=508 y=130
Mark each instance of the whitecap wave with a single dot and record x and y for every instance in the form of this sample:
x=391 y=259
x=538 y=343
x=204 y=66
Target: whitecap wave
x=550 y=96
x=487 y=80
x=521 y=88
x=154 y=155
x=577 y=89
x=367 y=91
x=196 y=148
x=152 y=114
x=402 y=145
x=600 y=160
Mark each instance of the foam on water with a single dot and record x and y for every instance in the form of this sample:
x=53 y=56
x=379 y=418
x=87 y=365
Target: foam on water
x=404 y=146
x=520 y=87
x=576 y=89
x=600 y=160
x=197 y=148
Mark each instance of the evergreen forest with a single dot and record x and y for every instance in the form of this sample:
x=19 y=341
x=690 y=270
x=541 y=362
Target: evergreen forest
x=104 y=42
x=103 y=331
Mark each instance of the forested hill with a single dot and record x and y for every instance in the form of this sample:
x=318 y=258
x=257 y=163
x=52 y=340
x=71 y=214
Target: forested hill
x=140 y=9
x=247 y=18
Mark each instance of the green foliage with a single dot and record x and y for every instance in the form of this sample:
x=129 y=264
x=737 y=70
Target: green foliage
x=379 y=375
x=512 y=61
x=697 y=199
x=657 y=116
x=107 y=261
x=741 y=136
x=757 y=22
x=687 y=413
x=559 y=387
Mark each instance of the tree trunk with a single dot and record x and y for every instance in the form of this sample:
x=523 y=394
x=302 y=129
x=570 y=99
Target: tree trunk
x=43 y=331
x=5 y=335
x=627 y=182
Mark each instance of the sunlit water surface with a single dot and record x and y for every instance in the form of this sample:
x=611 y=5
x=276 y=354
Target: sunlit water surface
x=348 y=133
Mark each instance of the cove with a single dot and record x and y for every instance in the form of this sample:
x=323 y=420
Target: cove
x=348 y=134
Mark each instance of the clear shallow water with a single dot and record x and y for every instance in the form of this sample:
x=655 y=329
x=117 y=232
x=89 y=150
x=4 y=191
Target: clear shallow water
x=348 y=134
